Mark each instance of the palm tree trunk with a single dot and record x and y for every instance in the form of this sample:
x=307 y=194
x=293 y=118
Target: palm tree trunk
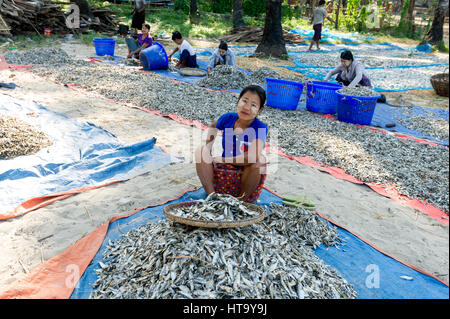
x=238 y=21
x=436 y=32
x=272 y=43
x=194 y=16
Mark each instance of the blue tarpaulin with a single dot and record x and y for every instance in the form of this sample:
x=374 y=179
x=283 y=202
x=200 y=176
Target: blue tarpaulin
x=373 y=274
x=329 y=36
x=81 y=155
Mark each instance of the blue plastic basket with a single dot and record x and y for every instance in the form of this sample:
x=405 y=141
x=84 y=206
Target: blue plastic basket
x=154 y=57
x=356 y=109
x=321 y=97
x=283 y=94
x=104 y=46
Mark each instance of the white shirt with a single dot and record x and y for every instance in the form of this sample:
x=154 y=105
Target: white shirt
x=186 y=46
x=319 y=15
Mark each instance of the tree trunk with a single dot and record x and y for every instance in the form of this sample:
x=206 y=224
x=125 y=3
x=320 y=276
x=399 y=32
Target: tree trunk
x=411 y=17
x=84 y=8
x=272 y=43
x=194 y=16
x=336 y=24
x=436 y=33
x=238 y=21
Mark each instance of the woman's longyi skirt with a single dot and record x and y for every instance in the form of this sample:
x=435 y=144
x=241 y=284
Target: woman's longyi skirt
x=317 y=32
x=227 y=180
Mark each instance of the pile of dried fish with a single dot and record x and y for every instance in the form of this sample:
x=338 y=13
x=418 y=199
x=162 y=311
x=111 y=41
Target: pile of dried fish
x=437 y=128
x=226 y=77
x=18 y=138
x=260 y=75
x=130 y=62
x=106 y=57
x=358 y=91
x=216 y=207
x=417 y=170
x=38 y=56
x=272 y=259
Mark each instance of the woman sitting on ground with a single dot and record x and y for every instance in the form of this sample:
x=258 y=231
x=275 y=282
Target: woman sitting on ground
x=222 y=56
x=188 y=57
x=144 y=40
x=351 y=73
x=241 y=169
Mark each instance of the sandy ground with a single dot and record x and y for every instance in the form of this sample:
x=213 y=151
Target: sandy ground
x=397 y=229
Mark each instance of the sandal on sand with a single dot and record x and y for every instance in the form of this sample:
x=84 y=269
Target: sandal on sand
x=299 y=201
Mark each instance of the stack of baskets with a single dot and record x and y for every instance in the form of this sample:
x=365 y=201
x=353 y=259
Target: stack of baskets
x=440 y=83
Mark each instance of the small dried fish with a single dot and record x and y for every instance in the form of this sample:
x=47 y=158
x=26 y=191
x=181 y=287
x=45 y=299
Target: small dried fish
x=358 y=91
x=216 y=207
x=273 y=259
x=18 y=138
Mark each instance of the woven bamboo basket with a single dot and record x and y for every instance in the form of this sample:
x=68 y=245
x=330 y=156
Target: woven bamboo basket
x=440 y=83
x=214 y=224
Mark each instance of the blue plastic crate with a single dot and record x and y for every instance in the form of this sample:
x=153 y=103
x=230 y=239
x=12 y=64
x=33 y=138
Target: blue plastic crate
x=321 y=97
x=283 y=94
x=356 y=109
x=104 y=46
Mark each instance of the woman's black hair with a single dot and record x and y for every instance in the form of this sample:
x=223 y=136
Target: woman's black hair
x=223 y=45
x=176 y=35
x=258 y=90
x=321 y=2
x=347 y=55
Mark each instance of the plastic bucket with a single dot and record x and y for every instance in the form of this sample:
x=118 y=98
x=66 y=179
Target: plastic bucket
x=154 y=57
x=104 y=46
x=283 y=94
x=321 y=97
x=356 y=109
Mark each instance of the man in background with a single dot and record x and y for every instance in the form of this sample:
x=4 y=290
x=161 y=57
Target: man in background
x=138 y=15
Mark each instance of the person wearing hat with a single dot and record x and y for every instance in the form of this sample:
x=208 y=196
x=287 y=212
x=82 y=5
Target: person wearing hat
x=222 y=56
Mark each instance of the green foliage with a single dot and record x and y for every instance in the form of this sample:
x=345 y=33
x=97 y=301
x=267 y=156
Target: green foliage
x=181 y=5
x=254 y=8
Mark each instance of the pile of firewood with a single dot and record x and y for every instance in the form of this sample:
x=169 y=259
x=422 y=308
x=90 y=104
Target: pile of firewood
x=36 y=15
x=255 y=34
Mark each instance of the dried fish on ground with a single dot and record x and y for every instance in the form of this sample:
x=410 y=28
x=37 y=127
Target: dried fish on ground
x=18 y=138
x=437 y=128
x=226 y=77
x=53 y=56
x=358 y=91
x=273 y=259
x=417 y=170
x=216 y=207
x=106 y=58
x=229 y=77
